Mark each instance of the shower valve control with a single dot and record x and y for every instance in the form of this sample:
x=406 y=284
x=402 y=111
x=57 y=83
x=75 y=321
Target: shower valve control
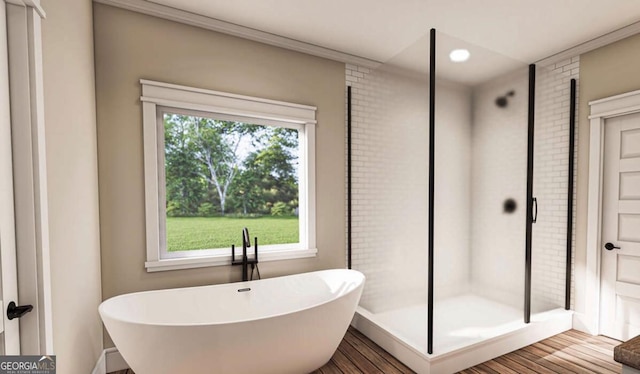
x=610 y=247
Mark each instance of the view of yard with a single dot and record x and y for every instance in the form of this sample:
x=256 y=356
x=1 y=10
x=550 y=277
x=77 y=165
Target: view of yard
x=222 y=176
x=186 y=233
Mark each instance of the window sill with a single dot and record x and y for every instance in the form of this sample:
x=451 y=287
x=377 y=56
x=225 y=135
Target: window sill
x=224 y=260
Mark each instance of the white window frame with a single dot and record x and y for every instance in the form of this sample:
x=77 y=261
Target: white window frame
x=158 y=98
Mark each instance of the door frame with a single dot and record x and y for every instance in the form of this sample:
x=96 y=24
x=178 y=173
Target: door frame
x=24 y=22
x=8 y=269
x=601 y=110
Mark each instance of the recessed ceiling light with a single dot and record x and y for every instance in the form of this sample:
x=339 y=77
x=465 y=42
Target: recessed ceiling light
x=459 y=55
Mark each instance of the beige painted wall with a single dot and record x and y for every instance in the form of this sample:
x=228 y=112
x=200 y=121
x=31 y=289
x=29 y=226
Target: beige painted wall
x=607 y=71
x=131 y=46
x=73 y=183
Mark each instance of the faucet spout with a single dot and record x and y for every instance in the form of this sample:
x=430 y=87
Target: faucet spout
x=246 y=238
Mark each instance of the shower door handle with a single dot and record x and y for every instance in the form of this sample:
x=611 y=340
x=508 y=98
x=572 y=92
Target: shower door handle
x=534 y=217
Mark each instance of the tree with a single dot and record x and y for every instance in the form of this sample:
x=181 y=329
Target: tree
x=216 y=147
x=184 y=186
x=246 y=192
x=273 y=167
x=238 y=167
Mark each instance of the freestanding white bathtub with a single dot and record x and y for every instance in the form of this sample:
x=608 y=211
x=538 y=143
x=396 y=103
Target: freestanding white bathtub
x=290 y=324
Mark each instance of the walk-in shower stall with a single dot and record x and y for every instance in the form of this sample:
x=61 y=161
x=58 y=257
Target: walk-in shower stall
x=460 y=202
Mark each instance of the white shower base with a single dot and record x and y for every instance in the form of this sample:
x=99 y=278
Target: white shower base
x=468 y=330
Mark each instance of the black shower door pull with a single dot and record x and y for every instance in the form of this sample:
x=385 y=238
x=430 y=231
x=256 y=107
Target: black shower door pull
x=535 y=211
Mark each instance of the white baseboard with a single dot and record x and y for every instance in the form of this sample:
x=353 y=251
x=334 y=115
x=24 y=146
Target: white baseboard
x=114 y=360
x=581 y=323
x=101 y=365
x=109 y=361
x=629 y=370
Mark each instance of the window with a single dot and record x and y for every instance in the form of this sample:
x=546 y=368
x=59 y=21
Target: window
x=218 y=162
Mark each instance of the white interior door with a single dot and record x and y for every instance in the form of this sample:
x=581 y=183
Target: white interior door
x=620 y=238
x=10 y=334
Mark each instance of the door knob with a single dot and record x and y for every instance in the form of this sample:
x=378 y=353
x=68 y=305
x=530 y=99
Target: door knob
x=17 y=311
x=610 y=246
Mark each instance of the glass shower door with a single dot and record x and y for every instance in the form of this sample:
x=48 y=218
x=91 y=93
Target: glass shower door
x=551 y=235
x=480 y=193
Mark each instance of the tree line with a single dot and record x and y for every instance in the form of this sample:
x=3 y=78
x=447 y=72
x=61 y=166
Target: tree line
x=215 y=167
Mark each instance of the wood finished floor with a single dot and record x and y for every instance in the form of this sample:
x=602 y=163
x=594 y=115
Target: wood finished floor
x=569 y=352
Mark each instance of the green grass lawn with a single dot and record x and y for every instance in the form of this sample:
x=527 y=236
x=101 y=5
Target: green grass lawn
x=187 y=233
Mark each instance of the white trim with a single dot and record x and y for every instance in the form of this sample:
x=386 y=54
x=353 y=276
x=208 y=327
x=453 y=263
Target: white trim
x=30 y=177
x=181 y=16
x=110 y=361
x=601 y=110
x=592 y=44
x=36 y=72
x=629 y=370
x=308 y=186
x=158 y=96
x=622 y=104
x=183 y=97
x=151 y=188
x=224 y=260
x=114 y=360
x=192 y=19
x=10 y=338
x=101 y=364
x=35 y=4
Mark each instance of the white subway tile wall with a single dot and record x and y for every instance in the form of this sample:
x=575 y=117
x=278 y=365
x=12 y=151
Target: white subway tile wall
x=389 y=206
x=551 y=183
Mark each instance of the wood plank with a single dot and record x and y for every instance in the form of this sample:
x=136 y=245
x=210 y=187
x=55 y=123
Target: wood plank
x=590 y=354
x=593 y=339
x=556 y=364
x=539 y=365
x=330 y=368
x=599 y=358
x=576 y=363
x=521 y=365
x=569 y=352
x=603 y=348
x=344 y=364
x=371 y=354
x=384 y=354
x=358 y=358
x=499 y=367
x=571 y=362
x=475 y=370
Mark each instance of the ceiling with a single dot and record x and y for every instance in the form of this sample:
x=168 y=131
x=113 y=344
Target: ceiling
x=387 y=30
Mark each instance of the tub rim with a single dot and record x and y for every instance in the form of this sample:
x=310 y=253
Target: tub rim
x=213 y=323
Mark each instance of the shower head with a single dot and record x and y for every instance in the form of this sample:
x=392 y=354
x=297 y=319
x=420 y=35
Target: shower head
x=503 y=101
